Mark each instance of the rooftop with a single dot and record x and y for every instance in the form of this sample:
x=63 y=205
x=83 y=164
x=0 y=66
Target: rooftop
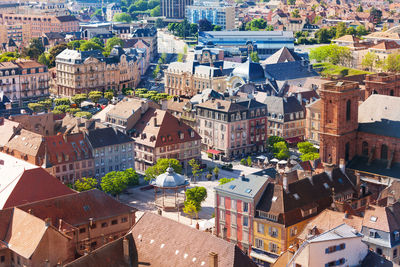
x=246 y=187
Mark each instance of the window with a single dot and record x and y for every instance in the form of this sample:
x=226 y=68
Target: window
x=245 y=207
x=379 y=251
x=348 y=110
x=347 y=152
x=273 y=247
x=2 y=258
x=114 y=222
x=372 y=234
x=395 y=253
x=336 y=263
x=82 y=230
x=259 y=243
x=293 y=231
x=222 y=216
x=273 y=232
x=384 y=152
x=124 y=220
x=245 y=221
x=104 y=224
x=260 y=228
x=364 y=148
x=233 y=204
x=222 y=202
x=396 y=235
x=332 y=249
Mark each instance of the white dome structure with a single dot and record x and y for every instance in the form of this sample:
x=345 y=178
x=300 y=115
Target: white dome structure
x=170 y=179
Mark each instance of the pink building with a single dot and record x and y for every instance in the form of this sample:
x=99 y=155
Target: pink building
x=234 y=209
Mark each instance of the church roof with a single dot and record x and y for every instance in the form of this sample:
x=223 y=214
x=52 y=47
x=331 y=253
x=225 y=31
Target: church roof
x=282 y=55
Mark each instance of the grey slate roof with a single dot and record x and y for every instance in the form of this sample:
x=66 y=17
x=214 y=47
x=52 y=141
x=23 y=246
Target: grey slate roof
x=289 y=70
x=107 y=137
x=374 y=260
x=282 y=55
x=283 y=105
x=250 y=71
x=340 y=232
x=377 y=166
x=247 y=187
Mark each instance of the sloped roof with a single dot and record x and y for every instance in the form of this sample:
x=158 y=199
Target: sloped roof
x=26 y=142
x=159 y=241
x=76 y=209
x=282 y=55
x=290 y=70
x=348 y=38
x=222 y=105
x=283 y=105
x=386 y=45
x=340 y=232
x=248 y=187
x=387 y=218
x=103 y=137
x=250 y=71
x=166 y=132
x=25 y=186
x=7 y=130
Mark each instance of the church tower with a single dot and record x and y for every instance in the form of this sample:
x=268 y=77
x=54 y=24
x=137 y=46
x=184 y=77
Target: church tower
x=339 y=121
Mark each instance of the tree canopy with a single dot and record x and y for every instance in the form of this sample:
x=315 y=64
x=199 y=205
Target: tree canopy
x=332 y=53
x=161 y=167
x=308 y=151
x=281 y=150
x=123 y=17
x=225 y=180
x=85 y=184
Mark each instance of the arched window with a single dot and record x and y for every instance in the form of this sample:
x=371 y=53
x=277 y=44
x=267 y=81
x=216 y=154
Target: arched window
x=348 y=110
x=392 y=92
x=384 y=152
x=347 y=152
x=364 y=148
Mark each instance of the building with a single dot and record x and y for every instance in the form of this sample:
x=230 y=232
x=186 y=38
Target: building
x=218 y=13
x=42 y=123
x=111 y=10
x=189 y=78
x=234 y=209
x=313 y=121
x=230 y=129
x=381 y=231
x=20 y=33
x=112 y=150
x=90 y=218
x=267 y=43
x=23 y=183
x=42 y=23
x=340 y=245
x=180 y=246
x=29 y=241
x=149 y=35
x=85 y=71
x=174 y=9
x=364 y=136
x=126 y=113
x=68 y=157
x=382 y=83
x=288 y=205
x=158 y=134
x=286 y=118
x=10 y=81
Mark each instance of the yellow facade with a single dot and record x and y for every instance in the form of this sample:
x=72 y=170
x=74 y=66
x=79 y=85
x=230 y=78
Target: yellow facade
x=276 y=238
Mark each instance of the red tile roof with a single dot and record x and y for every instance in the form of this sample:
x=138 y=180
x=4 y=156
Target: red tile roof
x=34 y=185
x=386 y=45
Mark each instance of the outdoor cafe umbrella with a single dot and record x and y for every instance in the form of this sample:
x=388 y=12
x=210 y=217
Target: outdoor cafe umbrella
x=274 y=160
x=261 y=157
x=282 y=162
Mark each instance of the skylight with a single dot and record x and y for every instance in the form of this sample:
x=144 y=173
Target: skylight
x=248 y=190
x=232 y=186
x=296 y=196
x=373 y=219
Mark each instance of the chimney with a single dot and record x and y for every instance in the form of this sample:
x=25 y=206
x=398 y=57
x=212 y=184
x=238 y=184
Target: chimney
x=328 y=169
x=30 y=211
x=126 y=248
x=342 y=165
x=285 y=182
x=358 y=179
x=299 y=98
x=47 y=221
x=155 y=121
x=60 y=221
x=242 y=177
x=213 y=259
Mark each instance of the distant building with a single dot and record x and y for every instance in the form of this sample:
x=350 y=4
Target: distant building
x=218 y=13
x=265 y=43
x=174 y=8
x=112 y=9
x=313 y=121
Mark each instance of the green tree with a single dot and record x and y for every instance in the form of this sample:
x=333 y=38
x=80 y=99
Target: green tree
x=54 y=52
x=36 y=107
x=62 y=108
x=308 y=151
x=361 y=30
x=360 y=9
x=392 y=63
x=216 y=172
x=131 y=176
x=295 y=13
x=73 y=110
x=44 y=59
x=205 y=25
x=47 y=103
x=385 y=27
x=122 y=17
x=155 y=12
x=90 y=45
x=272 y=140
x=34 y=50
x=62 y=101
x=97 y=41
x=282 y=151
x=195 y=168
x=323 y=36
x=113 y=42
x=114 y=183
x=161 y=167
x=78 y=99
x=156 y=71
x=368 y=61
x=84 y=114
x=85 y=184
x=291 y=2
x=249 y=161
x=254 y=56
x=351 y=31
x=196 y=195
x=217 y=28
x=109 y=96
x=376 y=15
x=340 y=29
x=190 y=209
x=243 y=162
x=180 y=58
x=225 y=180
x=256 y=25
x=95 y=96
x=331 y=53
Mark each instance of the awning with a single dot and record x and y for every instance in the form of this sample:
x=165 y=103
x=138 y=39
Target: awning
x=294 y=140
x=263 y=257
x=213 y=151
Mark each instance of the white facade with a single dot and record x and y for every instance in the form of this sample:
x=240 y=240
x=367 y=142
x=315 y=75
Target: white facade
x=341 y=246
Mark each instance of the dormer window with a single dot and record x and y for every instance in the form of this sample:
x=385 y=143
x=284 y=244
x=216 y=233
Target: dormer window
x=396 y=235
